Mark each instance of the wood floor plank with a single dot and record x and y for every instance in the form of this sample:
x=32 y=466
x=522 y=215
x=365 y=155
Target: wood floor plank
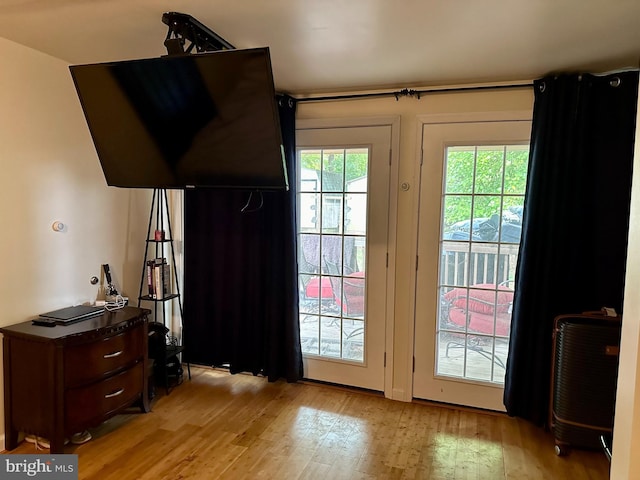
x=233 y=427
x=490 y=453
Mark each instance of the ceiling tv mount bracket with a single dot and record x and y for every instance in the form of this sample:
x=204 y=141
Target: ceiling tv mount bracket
x=183 y=28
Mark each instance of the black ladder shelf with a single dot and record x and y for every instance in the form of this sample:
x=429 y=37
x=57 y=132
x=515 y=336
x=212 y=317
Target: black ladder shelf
x=163 y=354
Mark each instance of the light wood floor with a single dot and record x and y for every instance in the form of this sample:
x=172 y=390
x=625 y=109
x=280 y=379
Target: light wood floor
x=219 y=426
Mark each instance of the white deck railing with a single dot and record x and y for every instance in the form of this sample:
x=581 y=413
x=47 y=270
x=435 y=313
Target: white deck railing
x=465 y=263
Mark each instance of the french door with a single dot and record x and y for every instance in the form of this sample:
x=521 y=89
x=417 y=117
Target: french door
x=472 y=186
x=342 y=224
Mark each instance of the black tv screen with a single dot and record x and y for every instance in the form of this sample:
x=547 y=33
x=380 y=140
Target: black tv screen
x=202 y=120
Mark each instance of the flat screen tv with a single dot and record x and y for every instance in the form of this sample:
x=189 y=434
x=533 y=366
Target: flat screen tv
x=202 y=120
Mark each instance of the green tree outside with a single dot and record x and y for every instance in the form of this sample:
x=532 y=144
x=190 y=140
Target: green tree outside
x=478 y=171
x=351 y=162
x=469 y=171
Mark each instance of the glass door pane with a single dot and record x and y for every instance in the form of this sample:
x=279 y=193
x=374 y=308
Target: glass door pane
x=332 y=230
x=481 y=226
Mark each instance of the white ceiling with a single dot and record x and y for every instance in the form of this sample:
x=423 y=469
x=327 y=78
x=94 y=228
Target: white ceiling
x=321 y=46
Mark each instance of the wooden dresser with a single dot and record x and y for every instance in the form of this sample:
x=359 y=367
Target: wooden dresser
x=64 y=379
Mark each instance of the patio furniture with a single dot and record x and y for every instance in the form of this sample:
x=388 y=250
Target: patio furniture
x=348 y=290
x=482 y=308
x=309 y=286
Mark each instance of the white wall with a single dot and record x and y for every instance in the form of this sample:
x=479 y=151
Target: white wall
x=626 y=440
x=49 y=172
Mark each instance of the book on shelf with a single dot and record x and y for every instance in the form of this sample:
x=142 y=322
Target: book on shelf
x=150 y=281
x=158 y=278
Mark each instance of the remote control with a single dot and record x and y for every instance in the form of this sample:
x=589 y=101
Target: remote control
x=44 y=322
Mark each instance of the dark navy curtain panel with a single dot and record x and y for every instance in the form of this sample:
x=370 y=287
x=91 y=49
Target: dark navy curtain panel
x=240 y=278
x=576 y=216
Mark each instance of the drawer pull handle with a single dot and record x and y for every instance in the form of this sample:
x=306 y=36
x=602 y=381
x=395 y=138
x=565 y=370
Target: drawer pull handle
x=112 y=355
x=114 y=394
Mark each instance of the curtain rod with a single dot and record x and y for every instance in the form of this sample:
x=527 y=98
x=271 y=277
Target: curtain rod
x=411 y=93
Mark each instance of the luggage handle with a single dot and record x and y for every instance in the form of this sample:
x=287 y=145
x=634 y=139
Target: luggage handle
x=605 y=314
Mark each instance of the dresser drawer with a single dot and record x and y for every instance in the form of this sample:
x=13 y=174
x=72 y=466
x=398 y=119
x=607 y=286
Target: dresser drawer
x=92 y=361
x=93 y=404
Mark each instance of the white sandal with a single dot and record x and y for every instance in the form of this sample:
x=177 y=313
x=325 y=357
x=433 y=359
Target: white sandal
x=41 y=442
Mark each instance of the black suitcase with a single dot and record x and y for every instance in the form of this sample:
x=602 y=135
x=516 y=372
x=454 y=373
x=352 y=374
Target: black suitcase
x=584 y=378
